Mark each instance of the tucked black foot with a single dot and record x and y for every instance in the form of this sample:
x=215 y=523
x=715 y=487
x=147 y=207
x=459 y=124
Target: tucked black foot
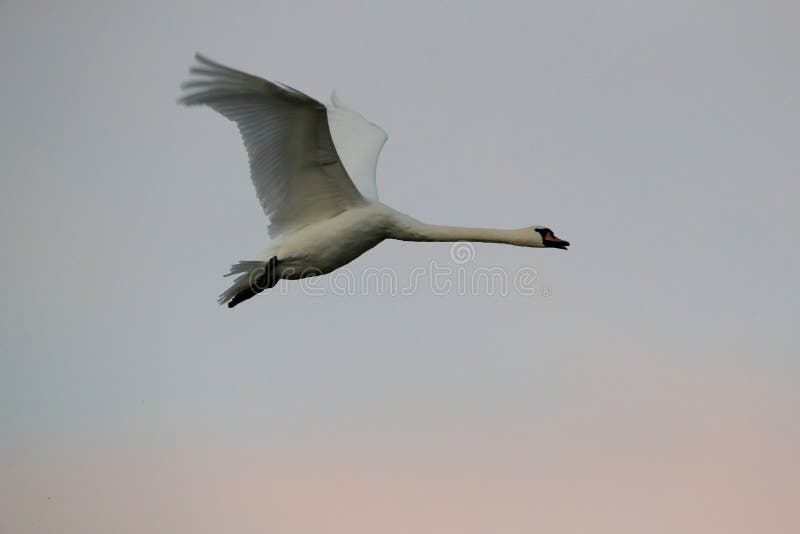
x=266 y=280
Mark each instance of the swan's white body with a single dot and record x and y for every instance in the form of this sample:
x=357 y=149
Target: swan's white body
x=314 y=167
x=324 y=246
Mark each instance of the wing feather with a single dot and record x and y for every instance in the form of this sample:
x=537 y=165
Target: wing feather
x=296 y=171
x=358 y=143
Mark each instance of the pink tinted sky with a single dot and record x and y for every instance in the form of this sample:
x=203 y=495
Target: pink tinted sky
x=661 y=448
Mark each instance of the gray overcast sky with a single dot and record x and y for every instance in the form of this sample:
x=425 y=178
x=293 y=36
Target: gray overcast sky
x=655 y=384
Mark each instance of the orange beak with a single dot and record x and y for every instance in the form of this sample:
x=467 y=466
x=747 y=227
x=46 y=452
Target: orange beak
x=550 y=240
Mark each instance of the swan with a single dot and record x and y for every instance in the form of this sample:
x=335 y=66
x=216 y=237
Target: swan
x=313 y=167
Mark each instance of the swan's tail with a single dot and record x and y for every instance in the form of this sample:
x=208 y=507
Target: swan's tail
x=254 y=277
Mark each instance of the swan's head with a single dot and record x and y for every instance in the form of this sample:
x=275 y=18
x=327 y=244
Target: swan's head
x=544 y=237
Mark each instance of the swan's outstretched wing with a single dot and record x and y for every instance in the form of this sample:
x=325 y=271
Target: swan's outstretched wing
x=298 y=176
x=358 y=143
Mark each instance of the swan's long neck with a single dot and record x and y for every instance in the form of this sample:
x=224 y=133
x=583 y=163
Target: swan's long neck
x=409 y=229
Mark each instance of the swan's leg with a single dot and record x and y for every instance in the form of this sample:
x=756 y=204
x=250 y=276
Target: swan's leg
x=267 y=280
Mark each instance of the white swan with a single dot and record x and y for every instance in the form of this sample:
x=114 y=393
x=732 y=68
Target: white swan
x=313 y=167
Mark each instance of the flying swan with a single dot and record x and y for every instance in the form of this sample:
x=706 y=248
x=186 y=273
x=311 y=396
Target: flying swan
x=313 y=167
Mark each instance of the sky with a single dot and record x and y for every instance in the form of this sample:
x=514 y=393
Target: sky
x=649 y=384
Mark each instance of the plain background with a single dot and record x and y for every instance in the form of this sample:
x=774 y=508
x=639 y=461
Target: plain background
x=655 y=389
